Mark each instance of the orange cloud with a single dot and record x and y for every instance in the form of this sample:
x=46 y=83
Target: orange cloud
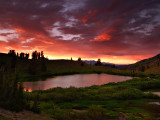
x=102 y=37
x=47 y=42
x=84 y=20
x=19 y=30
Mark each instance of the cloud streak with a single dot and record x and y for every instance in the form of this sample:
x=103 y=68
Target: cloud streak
x=113 y=30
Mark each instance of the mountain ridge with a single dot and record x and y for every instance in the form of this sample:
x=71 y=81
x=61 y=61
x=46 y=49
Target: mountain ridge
x=149 y=65
x=93 y=62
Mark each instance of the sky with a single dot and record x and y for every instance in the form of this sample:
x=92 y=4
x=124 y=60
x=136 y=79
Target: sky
x=116 y=31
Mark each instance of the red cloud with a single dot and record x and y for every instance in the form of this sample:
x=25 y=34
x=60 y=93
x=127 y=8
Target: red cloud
x=91 y=15
x=102 y=37
x=106 y=21
x=84 y=20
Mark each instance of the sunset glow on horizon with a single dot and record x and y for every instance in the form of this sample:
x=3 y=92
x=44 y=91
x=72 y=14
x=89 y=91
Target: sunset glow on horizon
x=120 y=32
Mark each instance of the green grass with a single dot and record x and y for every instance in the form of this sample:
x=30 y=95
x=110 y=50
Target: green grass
x=109 y=100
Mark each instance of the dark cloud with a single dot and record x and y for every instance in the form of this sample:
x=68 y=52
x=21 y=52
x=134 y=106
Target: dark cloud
x=92 y=28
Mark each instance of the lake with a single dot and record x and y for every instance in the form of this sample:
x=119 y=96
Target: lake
x=78 y=80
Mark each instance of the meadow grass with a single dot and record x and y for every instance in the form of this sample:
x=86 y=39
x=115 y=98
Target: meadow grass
x=101 y=102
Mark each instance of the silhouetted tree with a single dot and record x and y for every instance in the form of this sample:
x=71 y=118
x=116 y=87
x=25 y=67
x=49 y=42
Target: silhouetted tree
x=79 y=59
x=98 y=63
x=21 y=55
x=12 y=52
x=42 y=55
x=38 y=55
x=17 y=54
x=27 y=56
x=34 y=55
x=71 y=59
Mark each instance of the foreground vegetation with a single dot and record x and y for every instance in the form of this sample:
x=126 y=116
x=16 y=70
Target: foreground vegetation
x=129 y=99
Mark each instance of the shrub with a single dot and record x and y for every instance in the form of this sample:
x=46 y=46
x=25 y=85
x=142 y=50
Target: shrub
x=96 y=113
x=129 y=93
x=36 y=107
x=12 y=97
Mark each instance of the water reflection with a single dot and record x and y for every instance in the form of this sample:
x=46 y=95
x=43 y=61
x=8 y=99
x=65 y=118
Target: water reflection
x=79 y=80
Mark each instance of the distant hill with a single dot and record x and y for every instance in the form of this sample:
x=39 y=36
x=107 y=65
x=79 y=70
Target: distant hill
x=150 y=65
x=32 y=67
x=93 y=62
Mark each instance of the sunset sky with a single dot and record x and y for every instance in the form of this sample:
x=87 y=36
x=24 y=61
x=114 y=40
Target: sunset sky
x=116 y=31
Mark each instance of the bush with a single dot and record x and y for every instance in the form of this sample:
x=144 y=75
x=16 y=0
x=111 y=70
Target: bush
x=129 y=93
x=96 y=113
x=59 y=114
x=36 y=107
x=12 y=97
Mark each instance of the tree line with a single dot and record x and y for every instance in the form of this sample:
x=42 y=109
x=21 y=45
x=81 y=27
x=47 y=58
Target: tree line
x=35 y=55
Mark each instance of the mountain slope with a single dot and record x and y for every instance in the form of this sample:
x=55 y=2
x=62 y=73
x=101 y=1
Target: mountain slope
x=93 y=62
x=150 y=65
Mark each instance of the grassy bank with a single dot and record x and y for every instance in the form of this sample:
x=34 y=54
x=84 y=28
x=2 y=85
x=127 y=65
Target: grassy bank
x=107 y=101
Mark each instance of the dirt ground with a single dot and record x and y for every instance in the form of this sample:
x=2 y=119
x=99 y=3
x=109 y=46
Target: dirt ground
x=24 y=115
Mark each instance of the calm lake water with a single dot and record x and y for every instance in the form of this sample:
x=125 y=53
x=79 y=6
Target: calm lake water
x=79 y=80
